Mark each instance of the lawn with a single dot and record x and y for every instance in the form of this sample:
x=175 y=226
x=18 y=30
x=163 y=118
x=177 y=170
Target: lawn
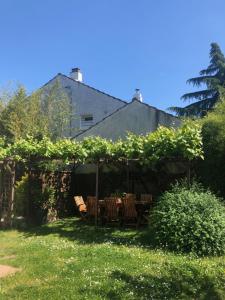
x=72 y=260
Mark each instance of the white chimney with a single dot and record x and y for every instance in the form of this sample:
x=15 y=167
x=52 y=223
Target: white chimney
x=76 y=74
x=137 y=95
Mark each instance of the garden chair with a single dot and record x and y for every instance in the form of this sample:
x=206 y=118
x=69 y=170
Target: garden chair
x=130 y=196
x=81 y=206
x=91 y=206
x=146 y=198
x=111 y=209
x=129 y=211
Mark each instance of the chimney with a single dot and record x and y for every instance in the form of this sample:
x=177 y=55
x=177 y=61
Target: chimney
x=76 y=74
x=137 y=96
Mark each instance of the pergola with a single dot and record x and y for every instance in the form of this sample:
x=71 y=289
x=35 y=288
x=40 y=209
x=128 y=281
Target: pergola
x=163 y=145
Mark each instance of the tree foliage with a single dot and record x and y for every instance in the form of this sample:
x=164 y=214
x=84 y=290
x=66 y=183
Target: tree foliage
x=213 y=78
x=43 y=113
x=212 y=171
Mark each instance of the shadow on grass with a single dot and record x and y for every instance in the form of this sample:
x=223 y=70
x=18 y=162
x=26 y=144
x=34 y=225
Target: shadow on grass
x=175 y=283
x=76 y=230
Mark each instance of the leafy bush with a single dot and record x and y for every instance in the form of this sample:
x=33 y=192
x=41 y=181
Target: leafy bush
x=21 y=196
x=43 y=201
x=189 y=220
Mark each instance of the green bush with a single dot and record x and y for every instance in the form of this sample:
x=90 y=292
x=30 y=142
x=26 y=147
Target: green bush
x=189 y=220
x=42 y=201
x=21 y=196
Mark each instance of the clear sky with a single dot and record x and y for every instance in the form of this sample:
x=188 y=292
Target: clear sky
x=120 y=45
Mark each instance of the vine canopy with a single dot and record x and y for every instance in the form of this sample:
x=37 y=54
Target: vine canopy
x=182 y=143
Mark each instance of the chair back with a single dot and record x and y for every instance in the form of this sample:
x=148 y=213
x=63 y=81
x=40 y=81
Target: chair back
x=78 y=200
x=130 y=197
x=111 y=208
x=80 y=203
x=91 y=205
x=146 y=198
x=130 y=211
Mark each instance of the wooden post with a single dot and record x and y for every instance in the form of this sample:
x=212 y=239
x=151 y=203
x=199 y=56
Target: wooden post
x=29 y=217
x=1 y=188
x=12 y=193
x=128 y=177
x=96 y=193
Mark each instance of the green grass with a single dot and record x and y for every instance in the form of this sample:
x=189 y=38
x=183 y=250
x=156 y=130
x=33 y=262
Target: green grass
x=71 y=260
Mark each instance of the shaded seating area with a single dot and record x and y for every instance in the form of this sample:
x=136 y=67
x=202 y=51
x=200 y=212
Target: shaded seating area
x=125 y=211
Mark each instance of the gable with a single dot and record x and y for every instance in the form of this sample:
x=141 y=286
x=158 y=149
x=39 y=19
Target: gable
x=135 y=117
x=86 y=101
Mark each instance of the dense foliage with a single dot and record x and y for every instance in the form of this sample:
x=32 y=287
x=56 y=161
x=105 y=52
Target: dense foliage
x=43 y=200
x=213 y=78
x=45 y=112
x=212 y=170
x=184 y=142
x=189 y=219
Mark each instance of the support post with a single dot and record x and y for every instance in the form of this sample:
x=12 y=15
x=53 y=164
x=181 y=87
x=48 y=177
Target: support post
x=29 y=217
x=12 y=193
x=1 y=190
x=96 y=193
x=128 y=177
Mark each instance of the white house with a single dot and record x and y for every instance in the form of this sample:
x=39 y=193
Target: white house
x=97 y=113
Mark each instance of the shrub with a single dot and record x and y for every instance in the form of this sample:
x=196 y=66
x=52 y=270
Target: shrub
x=42 y=201
x=189 y=220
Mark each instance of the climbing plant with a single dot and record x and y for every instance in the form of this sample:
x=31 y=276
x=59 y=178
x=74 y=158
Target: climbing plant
x=184 y=142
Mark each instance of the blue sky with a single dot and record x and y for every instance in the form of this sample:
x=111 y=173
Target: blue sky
x=120 y=45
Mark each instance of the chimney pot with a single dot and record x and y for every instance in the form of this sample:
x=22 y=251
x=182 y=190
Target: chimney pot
x=137 y=96
x=76 y=74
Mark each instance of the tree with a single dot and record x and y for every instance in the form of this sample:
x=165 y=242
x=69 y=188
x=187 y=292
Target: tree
x=213 y=78
x=13 y=114
x=43 y=113
x=57 y=111
x=212 y=170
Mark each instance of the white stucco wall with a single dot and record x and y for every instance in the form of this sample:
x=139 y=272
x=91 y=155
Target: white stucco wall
x=135 y=117
x=86 y=100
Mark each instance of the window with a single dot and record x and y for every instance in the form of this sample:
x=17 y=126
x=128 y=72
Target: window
x=86 y=121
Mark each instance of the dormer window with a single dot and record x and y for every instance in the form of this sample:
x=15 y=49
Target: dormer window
x=86 y=121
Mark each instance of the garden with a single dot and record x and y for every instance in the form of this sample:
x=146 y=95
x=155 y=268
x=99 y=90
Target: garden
x=72 y=260
x=178 y=255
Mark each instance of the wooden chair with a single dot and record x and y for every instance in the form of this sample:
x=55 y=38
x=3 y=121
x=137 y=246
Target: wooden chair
x=91 y=206
x=146 y=198
x=111 y=209
x=81 y=206
x=129 y=211
x=130 y=197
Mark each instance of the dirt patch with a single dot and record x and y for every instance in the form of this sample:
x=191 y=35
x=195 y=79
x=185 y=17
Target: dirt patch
x=8 y=257
x=7 y=270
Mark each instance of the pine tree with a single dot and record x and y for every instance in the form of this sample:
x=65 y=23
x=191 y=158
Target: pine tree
x=213 y=78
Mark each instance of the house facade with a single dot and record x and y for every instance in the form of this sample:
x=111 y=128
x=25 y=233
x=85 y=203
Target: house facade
x=89 y=105
x=97 y=113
